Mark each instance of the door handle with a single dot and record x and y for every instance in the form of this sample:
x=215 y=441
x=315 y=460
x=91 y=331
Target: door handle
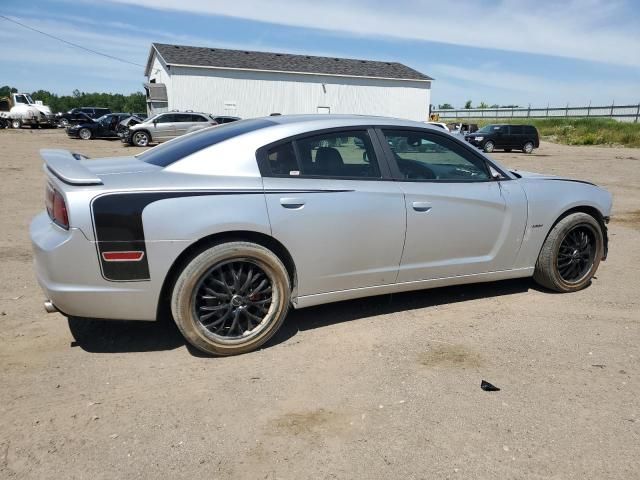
x=292 y=203
x=421 y=206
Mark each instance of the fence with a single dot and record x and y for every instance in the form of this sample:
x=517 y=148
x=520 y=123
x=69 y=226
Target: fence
x=623 y=113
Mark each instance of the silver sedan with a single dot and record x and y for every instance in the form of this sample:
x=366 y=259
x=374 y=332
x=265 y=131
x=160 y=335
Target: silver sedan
x=228 y=227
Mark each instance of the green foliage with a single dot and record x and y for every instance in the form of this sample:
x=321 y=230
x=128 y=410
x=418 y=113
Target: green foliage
x=483 y=105
x=6 y=90
x=468 y=104
x=579 y=131
x=445 y=106
x=117 y=102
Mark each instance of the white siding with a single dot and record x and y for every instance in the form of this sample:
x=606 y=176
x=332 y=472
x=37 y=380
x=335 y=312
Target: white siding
x=252 y=94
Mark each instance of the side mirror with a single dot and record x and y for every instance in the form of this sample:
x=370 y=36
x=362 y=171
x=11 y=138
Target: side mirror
x=155 y=122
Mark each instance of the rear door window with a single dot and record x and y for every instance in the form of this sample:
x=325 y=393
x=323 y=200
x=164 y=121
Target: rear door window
x=343 y=154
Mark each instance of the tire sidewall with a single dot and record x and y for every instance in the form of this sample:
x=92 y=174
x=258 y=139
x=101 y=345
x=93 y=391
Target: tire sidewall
x=137 y=135
x=524 y=147
x=558 y=235
x=85 y=137
x=489 y=146
x=183 y=295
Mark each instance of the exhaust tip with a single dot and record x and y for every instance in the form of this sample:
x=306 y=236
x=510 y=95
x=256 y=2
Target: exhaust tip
x=49 y=307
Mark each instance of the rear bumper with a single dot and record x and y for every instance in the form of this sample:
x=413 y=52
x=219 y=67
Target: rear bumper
x=68 y=271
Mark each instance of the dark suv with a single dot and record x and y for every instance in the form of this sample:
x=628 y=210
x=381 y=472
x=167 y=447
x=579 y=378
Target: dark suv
x=505 y=137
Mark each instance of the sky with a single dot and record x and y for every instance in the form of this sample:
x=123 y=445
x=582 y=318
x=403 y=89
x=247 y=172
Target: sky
x=524 y=52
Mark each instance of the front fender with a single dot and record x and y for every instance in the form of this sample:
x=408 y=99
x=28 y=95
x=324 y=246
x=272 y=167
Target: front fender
x=548 y=200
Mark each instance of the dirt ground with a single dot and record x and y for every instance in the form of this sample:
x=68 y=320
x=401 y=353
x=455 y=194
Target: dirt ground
x=380 y=388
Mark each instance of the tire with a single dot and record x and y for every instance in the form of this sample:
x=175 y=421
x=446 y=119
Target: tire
x=488 y=146
x=527 y=147
x=140 y=139
x=64 y=123
x=562 y=264
x=215 y=284
x=85 y=134
x=16 y=123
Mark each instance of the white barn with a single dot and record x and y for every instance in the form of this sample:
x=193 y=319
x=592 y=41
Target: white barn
x=253 y=84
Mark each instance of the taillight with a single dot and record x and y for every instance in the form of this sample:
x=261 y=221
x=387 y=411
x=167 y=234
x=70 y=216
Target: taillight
x=56 y=207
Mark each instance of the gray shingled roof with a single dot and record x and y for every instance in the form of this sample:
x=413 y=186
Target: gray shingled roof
x=281 y=62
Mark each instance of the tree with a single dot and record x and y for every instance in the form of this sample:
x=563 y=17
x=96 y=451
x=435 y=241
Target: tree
x=495 y=105
x=445 y=106
x=468 y=104
x=483 y=105
x=6 y=90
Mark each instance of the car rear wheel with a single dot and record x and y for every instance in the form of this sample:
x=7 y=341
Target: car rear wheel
x=488 y=147
x=571 y=254
x=64 y=123
x=141 y=139
x=231 y=298
x=85 y=134
x=527 y=147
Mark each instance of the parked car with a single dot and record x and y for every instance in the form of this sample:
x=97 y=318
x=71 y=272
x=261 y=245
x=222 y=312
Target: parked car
x=80 y=115
x=103 y=127
x=165 y=126
x=505 y=137
x=228 y=227
x=222 y=119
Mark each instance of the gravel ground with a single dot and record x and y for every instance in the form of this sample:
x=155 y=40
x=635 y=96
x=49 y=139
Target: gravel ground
x=379 y=388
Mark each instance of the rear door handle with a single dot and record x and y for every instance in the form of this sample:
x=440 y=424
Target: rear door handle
x=292 y=203
x=421 y=206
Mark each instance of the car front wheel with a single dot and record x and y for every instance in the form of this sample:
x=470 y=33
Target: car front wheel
x=85 y=134
x=141 y=139
x=571 y=254
x=231 y=298
x=488 y=147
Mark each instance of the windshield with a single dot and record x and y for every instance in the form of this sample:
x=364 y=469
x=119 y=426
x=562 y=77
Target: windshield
x=167 y=153
x=151 y=119
x=21 y=99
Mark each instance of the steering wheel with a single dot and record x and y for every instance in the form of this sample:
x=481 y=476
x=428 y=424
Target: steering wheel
x=417 y=171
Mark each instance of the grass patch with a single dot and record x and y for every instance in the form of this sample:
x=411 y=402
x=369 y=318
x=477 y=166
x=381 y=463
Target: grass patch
x=578 y=131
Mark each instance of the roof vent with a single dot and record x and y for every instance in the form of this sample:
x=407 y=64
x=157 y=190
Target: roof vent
x=278 y=54
x=307 y=56
x=337 y=59
x=247 y=53
x=363 y=61
x=212 y=49
x=176 y=46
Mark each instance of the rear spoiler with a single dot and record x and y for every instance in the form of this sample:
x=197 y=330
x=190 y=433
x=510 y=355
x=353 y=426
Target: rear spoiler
x=66 y=166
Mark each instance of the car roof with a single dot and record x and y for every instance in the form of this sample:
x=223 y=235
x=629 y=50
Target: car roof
x=340 y=120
